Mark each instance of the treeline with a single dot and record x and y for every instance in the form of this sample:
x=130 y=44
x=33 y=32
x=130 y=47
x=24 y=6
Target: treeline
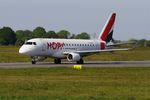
x=141 y=42
x=10 y=37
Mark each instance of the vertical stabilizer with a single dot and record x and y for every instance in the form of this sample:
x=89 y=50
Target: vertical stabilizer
x=107 y=31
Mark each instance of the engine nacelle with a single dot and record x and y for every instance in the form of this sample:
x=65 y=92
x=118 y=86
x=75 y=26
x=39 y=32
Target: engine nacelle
x=73 y=57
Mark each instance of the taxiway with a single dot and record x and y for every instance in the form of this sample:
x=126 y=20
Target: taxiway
x=87 y=64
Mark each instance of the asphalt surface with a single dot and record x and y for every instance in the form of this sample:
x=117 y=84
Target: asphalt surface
x=87 y=64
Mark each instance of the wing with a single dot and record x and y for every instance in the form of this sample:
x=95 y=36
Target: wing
x=96 y=51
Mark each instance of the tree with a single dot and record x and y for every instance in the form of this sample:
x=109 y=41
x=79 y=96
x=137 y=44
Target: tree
x=22 y=35
x=7 y=36
x=148 y=43
x=72 y=36
x=142 y=42
x=52 y=34
x=133 y=40
x=3 y=41
x=63 y=34
x=38 y=32
x=83 y=35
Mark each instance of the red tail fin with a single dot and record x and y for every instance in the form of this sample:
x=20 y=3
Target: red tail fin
x=107 y=32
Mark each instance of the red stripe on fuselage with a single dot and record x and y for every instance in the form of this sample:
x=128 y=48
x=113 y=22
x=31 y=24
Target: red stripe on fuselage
x=102 y=45
x=108 y=27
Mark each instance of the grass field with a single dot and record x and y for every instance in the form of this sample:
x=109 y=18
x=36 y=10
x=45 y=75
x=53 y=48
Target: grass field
x=10 y=54
x=70 y=84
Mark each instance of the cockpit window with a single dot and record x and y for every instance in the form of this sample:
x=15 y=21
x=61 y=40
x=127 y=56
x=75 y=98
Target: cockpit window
x=30 y=43
x=34 y=43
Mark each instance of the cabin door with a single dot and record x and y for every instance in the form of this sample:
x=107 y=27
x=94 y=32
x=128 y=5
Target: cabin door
x=44 y=47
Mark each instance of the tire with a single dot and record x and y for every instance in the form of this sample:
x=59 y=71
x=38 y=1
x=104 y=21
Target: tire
x=33 y=62
x=57 y=61
x=80 y=61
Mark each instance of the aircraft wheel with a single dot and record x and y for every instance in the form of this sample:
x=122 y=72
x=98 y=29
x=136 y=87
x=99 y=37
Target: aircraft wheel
x=33 y=62
x=57 y=61
x=80 y=61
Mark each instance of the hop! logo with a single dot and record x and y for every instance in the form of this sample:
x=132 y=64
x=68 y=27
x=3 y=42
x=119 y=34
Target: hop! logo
x=55 y=45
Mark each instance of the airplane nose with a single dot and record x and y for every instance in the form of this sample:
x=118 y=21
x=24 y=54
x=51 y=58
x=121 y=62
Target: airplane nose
x=21 y=51
x=24 y=50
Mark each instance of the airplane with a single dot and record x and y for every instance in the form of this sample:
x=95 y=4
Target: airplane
x=71 y=49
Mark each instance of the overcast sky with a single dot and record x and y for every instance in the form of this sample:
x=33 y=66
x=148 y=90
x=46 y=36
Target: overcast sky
x=76 y=16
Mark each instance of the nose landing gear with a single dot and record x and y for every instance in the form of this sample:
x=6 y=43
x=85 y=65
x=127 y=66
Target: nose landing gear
x=33 y=60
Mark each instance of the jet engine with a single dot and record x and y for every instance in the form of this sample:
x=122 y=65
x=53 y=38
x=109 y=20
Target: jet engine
x=73 y=57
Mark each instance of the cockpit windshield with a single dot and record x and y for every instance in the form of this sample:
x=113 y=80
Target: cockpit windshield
x=30 y=43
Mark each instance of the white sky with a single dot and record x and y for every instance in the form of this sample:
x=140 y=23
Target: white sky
x=76 y=16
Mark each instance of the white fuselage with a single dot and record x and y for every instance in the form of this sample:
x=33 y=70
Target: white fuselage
x=56 y=47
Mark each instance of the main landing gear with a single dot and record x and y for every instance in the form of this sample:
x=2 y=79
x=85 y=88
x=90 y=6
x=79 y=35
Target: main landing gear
x=81 y=61
x=57 y=61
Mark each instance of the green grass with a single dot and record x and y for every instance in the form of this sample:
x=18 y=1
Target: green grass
x=70 y=84
x=136 y=54
x=10 y=54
